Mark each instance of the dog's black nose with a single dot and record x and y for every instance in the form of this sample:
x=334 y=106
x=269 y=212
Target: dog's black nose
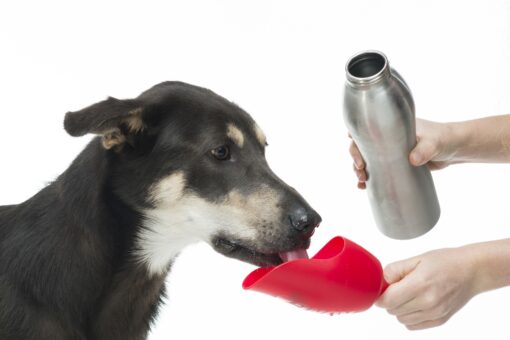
x=304 y=220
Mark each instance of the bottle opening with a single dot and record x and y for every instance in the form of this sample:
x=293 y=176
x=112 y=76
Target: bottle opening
x=366 y=67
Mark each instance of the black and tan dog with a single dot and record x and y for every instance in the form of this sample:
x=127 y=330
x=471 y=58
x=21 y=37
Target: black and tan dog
x=86 y=257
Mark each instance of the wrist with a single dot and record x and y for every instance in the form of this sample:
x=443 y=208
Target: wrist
x=488 y=265
x=475 y=267
x=458 y=137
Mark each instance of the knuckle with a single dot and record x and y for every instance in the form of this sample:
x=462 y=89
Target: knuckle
x=361 y=175
x=389 y=267
x=444 y=319
x=437 y=322
x=392 y=312
x=405 y=319
x=382 y=302
x=413 y=327
x=430 y=300
x=440 y=322
x=441 y=310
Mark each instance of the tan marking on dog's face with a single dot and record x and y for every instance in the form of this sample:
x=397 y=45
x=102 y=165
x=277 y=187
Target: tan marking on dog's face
x=234 y=133
x=263 y=202
x=169 y=190
x=261 y=136
x=113 y=138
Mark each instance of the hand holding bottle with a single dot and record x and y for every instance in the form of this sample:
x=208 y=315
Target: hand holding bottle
x=435 y=147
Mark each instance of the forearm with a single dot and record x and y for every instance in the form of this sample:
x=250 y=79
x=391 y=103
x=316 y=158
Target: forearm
x=490 y=262
x=481 y=140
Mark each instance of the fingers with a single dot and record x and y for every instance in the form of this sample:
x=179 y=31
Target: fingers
x=423 y=152
x=360 y=173
x=401 y=289
x=419 y=309
x=415 y=314
x=427 y=324
x=396 y=295
x=407 y=308
x=396 y=271
x=422 y=320
x=362 y=177
x=358 y=166
x=420 y=316
x=359 y=163
x=413 y=318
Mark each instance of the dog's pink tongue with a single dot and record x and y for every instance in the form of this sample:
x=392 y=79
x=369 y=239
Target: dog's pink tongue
x=294 y=255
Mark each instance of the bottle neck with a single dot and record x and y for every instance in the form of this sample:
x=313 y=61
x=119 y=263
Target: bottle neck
x=367 y=68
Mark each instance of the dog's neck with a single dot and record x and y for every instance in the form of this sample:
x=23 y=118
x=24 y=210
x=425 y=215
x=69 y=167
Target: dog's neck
x=85 y=180
x=84 y=191
x=152 y=237
x=147 y=240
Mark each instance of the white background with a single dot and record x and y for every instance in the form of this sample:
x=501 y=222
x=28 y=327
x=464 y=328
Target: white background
x=283 y=61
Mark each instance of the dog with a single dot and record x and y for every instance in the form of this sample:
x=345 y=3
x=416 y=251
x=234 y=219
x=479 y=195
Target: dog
x=87 y=256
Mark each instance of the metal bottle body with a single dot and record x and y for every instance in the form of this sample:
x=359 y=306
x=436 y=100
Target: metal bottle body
x=379 y=114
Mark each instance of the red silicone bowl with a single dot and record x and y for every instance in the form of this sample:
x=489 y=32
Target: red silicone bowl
x=341 y=277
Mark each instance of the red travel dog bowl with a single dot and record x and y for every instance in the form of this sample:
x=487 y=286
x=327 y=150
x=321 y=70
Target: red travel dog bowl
x=341 y=277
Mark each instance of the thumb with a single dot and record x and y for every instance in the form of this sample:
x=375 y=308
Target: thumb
x=423 y=152
x=396 y=271
x=398 y=291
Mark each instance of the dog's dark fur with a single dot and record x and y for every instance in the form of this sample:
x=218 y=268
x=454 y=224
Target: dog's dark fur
x=70 y=264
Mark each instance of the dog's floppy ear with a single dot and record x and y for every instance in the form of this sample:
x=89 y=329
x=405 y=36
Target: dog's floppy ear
x=112 y=118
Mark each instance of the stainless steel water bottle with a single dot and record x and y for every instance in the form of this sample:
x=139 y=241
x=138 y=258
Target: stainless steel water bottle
x=379 y=114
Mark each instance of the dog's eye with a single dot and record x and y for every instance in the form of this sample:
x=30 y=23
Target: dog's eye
x=221 y=153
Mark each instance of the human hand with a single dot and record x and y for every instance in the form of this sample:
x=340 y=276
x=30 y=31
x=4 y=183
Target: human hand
x=426 y=290
x=433 y=148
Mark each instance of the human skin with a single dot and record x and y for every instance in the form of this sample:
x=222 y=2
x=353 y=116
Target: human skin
x=426 y=290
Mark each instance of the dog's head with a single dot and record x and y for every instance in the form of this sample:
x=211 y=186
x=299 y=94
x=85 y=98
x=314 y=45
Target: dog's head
x=193 y=164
